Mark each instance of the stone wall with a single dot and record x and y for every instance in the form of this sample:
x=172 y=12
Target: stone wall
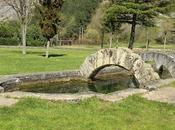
x=10 y=82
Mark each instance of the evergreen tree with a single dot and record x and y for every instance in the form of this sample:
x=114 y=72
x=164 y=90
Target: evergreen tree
x=50 y=19
x=76 y=14
x=137 y=12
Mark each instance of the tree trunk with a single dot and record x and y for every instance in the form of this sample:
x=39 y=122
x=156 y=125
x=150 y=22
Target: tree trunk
x=23 y=33
x=148 y=41
x=60 y=42
x=82 y=33
x=47 y=49
x=133 y=29
x=110 y=40
x=102 y=39
x=165 y=40
x=79 y=39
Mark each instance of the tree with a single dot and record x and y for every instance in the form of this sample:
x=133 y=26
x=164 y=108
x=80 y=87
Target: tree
x=23 y=9
x=167 y=25
x=112 y=26
x=137 y=12
x=76 y=15
x=97 y=23
x=50 y=19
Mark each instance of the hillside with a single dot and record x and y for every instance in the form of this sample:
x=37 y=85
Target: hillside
x=6 y=13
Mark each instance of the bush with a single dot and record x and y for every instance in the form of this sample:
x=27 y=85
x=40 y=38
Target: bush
x=34 y=36
x=9 y=41
x=159 y=40
x=9 y=30
x=10 y=35
x=35 y=43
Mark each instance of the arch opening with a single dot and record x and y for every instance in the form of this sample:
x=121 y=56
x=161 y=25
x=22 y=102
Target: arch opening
x=164 y=72
x=118 y=75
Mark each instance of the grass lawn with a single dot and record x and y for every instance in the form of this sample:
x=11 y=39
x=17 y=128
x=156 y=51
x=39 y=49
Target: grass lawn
x=134 y=113
x=13 y=62
x=64 y=58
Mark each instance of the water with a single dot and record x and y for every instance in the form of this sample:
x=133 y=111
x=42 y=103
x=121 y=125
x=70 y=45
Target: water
x=102 y=84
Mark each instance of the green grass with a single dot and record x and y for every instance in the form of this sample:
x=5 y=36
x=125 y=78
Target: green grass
x=13 y=62
x=134 y=113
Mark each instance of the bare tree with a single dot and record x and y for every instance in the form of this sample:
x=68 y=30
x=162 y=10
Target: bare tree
x=23 y=9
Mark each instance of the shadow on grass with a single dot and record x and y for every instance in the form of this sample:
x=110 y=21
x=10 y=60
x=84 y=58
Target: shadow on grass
x=37 y=53
x=54 y=55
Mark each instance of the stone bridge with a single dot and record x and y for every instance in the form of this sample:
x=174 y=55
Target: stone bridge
x=121 y=57
x=161 y=60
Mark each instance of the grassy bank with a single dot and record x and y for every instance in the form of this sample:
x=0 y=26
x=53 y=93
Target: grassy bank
x=134 y=113
x=13 y=62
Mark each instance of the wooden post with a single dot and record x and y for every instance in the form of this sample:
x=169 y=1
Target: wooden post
x=47 y=49
x=24 y=31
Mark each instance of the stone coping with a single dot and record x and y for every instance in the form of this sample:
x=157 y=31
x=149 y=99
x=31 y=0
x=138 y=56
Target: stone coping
x=8 y=82
x=112 y=97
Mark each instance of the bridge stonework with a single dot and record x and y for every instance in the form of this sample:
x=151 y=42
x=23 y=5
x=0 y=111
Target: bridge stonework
x=160 y=60
x=121 y=57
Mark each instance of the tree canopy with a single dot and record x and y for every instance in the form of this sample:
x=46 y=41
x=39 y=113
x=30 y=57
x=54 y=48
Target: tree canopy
x=76 y=14
x=136 y=12
x=50 y=17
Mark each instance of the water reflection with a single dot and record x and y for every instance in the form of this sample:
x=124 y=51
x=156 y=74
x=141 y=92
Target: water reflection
x=102 y=84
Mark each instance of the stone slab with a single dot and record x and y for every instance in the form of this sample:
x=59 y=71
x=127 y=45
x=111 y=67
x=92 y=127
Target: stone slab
x=166 y=94
x=112 y=97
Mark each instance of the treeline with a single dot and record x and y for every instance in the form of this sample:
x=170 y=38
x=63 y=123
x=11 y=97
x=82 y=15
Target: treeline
x=75 y=15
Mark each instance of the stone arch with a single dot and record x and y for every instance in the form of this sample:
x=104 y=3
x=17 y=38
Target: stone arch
x=121 y=57
x=160 y=60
